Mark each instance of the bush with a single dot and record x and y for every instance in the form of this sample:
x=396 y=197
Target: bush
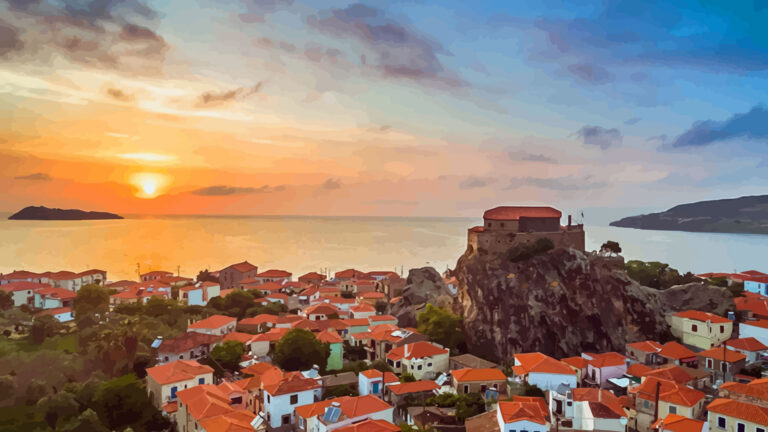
x=407 y=377
x=339 y=390
x=441 y=326
x=228 y=354
x=656 y=274
x=300 y=350
x=528 y=251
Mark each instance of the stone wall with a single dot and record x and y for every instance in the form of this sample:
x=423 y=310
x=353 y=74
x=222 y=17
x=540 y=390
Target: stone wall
x=501 y=242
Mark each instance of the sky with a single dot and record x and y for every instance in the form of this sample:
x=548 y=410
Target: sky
x=407 y=108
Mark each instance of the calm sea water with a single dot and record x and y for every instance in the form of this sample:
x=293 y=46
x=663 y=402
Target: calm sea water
x=302 y=244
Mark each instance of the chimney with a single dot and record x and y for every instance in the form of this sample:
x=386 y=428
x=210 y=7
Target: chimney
x=569 y=220
x=336 y=404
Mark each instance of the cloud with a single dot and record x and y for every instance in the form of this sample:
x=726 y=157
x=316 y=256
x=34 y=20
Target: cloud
x=752 y=125
x=107 y=34
x=9 y=39
x=394 y=49
x=330 y=184
x=599 y=136
x=591 y=73
x=216 y=98
x=568 y=183
x=38 y=176
x=530 y=157
x=632 y=121
x=120 y=95
x=258 y=9
x=475 y=182
x=393 y=202
x=223 y=190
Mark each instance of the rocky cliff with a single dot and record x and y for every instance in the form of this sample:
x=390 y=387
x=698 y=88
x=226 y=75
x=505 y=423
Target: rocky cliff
x=423 y=285
x=565 y=302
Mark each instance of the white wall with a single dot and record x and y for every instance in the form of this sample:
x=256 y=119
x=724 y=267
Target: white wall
x=165 y=391
x=278 y=406
x=759 y=333
x=520 y=425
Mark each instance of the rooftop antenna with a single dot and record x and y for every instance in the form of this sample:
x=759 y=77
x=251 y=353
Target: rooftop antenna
x=138 y=270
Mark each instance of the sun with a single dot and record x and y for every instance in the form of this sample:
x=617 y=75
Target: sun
x=149 y=185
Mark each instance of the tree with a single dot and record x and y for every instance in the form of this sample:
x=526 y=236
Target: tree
x=7 y=387
x=206 y=276
x=132 y=309
x=656 y=274
x=532 y=390
x=60 y=406
x=237 y=303
x=87 y=421
x=228 y=354
x=91 y=300
x=123 y=402
x=44 y=327
x=441 y=326
x=339 y=391
x=300 y=350
x=610 y=247
x=381 y=366
x=36 y=390
x=407 y=377
x=528 y=251
x=381 y=306
x=469 y=405
x=6 y=300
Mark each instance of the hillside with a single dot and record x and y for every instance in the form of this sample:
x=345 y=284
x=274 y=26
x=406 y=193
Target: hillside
x=45 y=213
x=738 y=215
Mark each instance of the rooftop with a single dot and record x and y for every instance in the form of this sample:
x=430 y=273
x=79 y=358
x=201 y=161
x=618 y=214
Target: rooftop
x=213 y=322
x=179 y=370
x=517 y=212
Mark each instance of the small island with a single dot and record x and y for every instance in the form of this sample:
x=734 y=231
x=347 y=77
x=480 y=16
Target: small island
x=744 y=215
x=45 y=213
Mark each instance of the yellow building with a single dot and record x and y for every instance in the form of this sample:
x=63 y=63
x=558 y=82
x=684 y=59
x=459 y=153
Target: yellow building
x=700 y=329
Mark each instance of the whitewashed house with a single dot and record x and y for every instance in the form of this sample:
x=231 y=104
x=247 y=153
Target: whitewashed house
x=523 y=414
x=281 y=398
x=543 y=371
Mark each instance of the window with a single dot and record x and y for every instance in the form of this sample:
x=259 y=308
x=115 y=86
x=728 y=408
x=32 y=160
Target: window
x=181 y=357
x=173 y=392
x=429 y=364
x=721 y=422
x=722 y=329
x=502 y=224
x=694 y=328
x=419 y=367
x=741 y=427
x=301 y=422
x=397 y=365
x=294 y=399
x=269 y=399
x=466 y=388
x=166 y=358
x=489 y=224
x=757 y=429
x=672 y=409
x=724 y=367
x=201 y=381
x=287 y=419
x=710 y=363
x=646 y=405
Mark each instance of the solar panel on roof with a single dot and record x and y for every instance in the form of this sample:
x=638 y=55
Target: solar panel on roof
x=441 y=379
x=157 y=343
x=332 y=414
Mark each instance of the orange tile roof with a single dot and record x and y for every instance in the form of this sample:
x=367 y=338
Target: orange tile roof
x=364 y=307
x=239 y=336
x=516 y=212
x=469 y=374
x=638 y=369
x=648 y=346
x=234 y=421
x=243 y=267
x=387 y=377
x=376 y=318
x=313 y=409
x=414 y=350
x=671 y=373
x=413 y=387
x=179 y=370
x=22 y=286
x=171 y=407
x=349 y=274
x=357 y=322
x=259 y=319
x=274 y=273
x=577 y=362
x=54 y=311
x=539 y=363
x=371 y=295
x=294 y=383
x=268 y=287
x=677 y=423
x=702 y=316
x=396 y=299
x=327 y=336
x=607 y=359
x=312 y=276
x=669 y=391
x=747 y=344
x=60 y=293
x=720 y=353
x=523 y=409
x=277 y=296
x=674 y=350
x=741 y=410
x=321 y=309
x=203 y=401
x=756 y=388
x=157 y=273
x=272 y=335
x=213 y=322
x=370 y=425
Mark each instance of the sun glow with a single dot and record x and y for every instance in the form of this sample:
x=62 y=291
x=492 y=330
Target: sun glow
x=149 y=185
x=147 y=157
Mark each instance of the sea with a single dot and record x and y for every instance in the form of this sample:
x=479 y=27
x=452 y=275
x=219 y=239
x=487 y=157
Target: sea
x=300 y=244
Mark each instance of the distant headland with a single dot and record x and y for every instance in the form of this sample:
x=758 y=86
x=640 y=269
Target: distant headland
x=45 y=213
x=746 y=215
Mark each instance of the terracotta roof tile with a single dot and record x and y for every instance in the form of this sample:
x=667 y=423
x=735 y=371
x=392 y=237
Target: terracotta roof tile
x=413 y=387
x=702 y=316
x=213 y=322
x=468 y=375
x=179 y=370
x=741 y=410
x=515 y=213
x=719 y=353
x=747 y=344
x=677 y=423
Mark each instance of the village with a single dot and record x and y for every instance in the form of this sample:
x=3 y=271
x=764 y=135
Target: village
x=377 y=376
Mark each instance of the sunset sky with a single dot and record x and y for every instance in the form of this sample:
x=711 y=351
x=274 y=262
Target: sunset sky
x=381 y=108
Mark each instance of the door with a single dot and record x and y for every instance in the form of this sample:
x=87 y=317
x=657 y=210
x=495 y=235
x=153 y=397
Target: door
x=558 y=406
x=375 y=388
x=173 y=392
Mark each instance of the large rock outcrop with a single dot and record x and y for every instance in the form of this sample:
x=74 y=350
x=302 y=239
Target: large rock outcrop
x=423 y=285
x=566 y=302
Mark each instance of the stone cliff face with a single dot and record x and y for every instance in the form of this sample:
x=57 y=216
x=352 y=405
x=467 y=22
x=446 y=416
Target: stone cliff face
x=566 y=302
x=423 y=285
